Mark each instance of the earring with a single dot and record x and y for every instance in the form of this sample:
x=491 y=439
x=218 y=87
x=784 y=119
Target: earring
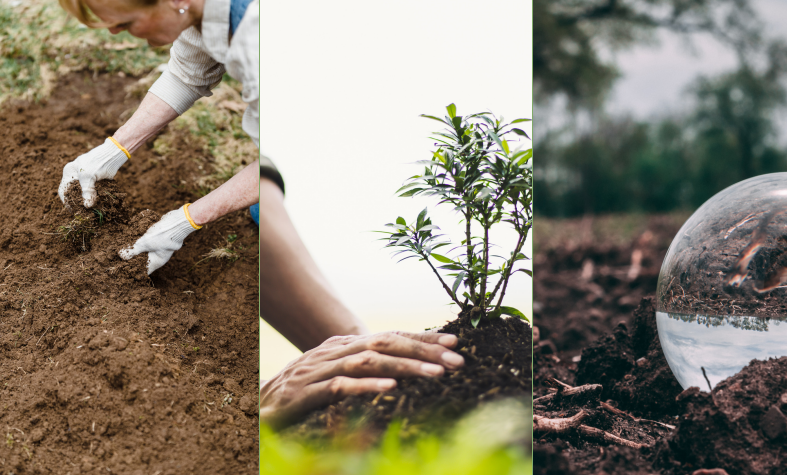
x=183 y=10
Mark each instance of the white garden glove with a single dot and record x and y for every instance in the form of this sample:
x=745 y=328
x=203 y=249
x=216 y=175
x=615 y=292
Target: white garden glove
x=163 y=238
x=101 y=163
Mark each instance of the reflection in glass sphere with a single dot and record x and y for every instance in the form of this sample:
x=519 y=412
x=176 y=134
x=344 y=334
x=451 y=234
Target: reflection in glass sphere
x=722 y=290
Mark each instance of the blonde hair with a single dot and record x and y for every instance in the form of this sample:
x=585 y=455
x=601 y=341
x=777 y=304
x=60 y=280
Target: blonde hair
x=81 y=12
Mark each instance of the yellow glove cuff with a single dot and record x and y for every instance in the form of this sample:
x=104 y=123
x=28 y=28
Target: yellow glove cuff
x=188 y=216
x=128 y=155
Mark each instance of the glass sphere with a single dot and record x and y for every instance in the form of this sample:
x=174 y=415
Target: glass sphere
x=721 y=298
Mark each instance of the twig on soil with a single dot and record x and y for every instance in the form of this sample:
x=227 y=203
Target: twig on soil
x=559 y=426
x=617 y=411
x=557 y=382
x=42 y=336
x=606 y=436
x=587 y=388
x=706 y=378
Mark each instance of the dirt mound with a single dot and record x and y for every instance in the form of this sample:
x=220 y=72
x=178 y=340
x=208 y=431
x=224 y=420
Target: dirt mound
x=585 y=288
x=740 y=427
x=102 y=368
x=497 y=365
x=632 y=369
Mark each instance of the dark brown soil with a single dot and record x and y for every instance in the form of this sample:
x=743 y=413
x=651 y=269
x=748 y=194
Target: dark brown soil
x=497 y=365
x=102 y=368
x=736 y=428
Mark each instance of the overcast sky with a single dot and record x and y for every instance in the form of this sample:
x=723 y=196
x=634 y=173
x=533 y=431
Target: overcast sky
x=655 y=77
x=343 y=83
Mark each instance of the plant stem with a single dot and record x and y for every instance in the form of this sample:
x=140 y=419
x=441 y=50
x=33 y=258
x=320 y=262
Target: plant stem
x=485 y=277
x=518 y=248
x=445 y=286
x=470 y=273
x=507 y=274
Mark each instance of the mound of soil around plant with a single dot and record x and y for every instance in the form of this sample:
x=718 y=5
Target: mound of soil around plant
x=102 y=368
x=739 y=427
x=497 y=365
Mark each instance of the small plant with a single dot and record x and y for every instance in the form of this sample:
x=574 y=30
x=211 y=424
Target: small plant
x=78 y=231
x=474 y=170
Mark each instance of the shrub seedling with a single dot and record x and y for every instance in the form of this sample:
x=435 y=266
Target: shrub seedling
x=475 y=170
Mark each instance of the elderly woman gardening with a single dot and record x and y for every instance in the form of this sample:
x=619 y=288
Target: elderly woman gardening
x=211 y=37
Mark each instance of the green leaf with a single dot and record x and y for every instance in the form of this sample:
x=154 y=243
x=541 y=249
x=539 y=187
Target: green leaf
x=495 y=138
x=526 y=271
x=427 y=227
x=504 y=144
x=442 y=259
x=527 y=155
x=458 y=281
x=409 y=193
x=513 y=312
x=420 y=221
x=451 y=266
x=475 y=320
x=520 y=132
x=400 y=220
x=521 y=120
x=451 y=108
x=402 y=240
x=435 y=118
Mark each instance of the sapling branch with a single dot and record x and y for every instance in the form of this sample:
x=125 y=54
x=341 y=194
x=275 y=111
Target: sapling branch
x=445 y=286
x=474 y=170
x=469 y=237
x=507 y=272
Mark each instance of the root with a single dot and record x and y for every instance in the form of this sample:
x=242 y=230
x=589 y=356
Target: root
x=560 y=426
x=607 y=437
x=590 y=390
x=615 y=410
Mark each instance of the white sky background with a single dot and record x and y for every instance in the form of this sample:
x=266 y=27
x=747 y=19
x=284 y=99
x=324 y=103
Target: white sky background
x=343 y=83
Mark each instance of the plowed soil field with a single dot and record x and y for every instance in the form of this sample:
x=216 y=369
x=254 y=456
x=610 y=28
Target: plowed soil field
x=102 y=368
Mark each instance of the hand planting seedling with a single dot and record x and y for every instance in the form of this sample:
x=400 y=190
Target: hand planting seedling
x=474 y=170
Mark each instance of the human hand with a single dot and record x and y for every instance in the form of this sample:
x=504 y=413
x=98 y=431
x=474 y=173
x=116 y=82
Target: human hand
x=346 y=365
x=163 y=238
x=101 y=163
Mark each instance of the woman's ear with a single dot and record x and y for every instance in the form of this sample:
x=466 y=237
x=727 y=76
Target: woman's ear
x=181 y=6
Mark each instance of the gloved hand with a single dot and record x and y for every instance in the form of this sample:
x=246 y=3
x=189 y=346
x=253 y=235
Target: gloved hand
x=163 y=238
x=101 y=163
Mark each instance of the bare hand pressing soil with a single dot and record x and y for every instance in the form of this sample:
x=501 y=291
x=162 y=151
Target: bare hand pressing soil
x=497 y=365
x=102 y=368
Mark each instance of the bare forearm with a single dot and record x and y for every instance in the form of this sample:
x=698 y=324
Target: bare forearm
x=295 y=297
x=239 y=192
x=150 y=117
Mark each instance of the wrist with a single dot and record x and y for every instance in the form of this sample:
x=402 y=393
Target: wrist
x=200 y=213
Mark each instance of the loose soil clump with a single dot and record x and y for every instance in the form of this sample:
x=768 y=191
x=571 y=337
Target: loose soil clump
x=102 y=368
x=621 y=388
x=497 y=365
